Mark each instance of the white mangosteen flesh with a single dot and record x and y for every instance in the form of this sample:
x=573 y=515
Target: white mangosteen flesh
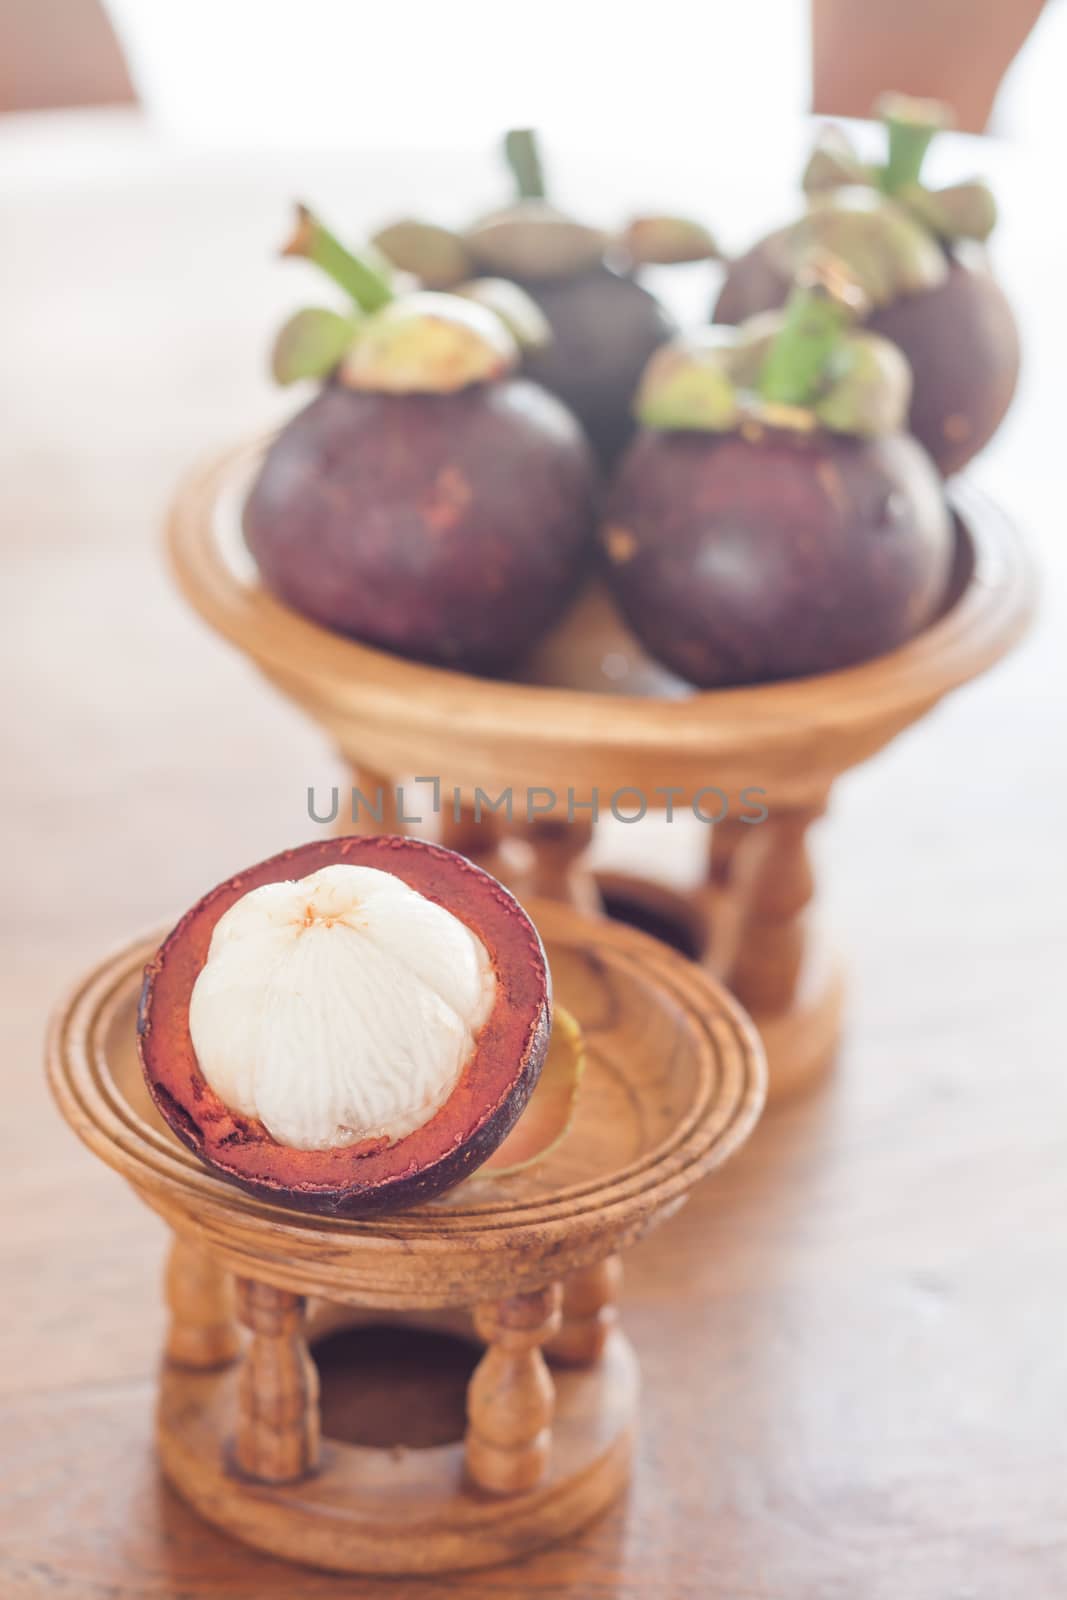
x=338 y=1008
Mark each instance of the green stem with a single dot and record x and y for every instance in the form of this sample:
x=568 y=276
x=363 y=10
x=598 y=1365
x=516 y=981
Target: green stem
x=815 y=318
x=356 y=276
x=524 y=159
x=910 y=126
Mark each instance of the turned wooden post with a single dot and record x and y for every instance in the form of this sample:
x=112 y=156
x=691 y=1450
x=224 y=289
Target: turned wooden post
x=726 y=837
x=590 y=1312
x=202 y=1331
x=775 y=886
x=278 y=1394
x=474 y=835
x=366 y=824
x=556 y=870
x=511 y=1396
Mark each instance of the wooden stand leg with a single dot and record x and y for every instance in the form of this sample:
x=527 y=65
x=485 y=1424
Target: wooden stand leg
x=511 y=1396
x=202 y=1332
x=726 y=838
x=371 y=786
x=278 y=1394
x=557 y=870
x=476 y=835
x=775 y=895
x=473 y=836
x=590 y=1313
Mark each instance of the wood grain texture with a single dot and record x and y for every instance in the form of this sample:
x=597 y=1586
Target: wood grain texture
x=512 y=1398
x=589 y=1313
x=774 y=898
x=203 y=1309
x=416 y=1511
x=277 y=1424
x=852 y=1338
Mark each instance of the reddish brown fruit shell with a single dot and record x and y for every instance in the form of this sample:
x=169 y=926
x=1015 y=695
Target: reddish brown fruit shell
x=357 y=1180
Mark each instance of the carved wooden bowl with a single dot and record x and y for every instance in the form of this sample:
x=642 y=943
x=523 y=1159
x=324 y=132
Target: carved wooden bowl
x=674 y=1083
x=592 y=712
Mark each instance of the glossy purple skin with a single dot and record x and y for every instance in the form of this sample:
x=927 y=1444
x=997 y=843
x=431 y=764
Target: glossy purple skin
x=448 y=528
x=605 y=326
x=741 y=563
x=960 y=339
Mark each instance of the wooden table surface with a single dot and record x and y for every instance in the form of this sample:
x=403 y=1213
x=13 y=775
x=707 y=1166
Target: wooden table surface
x=854 y=1340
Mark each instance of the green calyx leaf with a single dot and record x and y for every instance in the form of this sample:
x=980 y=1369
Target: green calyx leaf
x=311 y=344
x=522 y=317
x=429 y=343
x=869 y=388
x=960 y=211
x=835 y=163
x=659 y=240
x=748 y=351
x=534 y=240
x=800 y=368
x=688 y=386
x=803 y=353
x=885 y=249
x=436 y=256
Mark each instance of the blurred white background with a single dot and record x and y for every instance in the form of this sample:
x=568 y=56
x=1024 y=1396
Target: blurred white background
x=327 y=72
x=322 y=71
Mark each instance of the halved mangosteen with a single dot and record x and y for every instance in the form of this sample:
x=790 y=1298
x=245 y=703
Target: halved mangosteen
x=605 y=324
x=772 y=520
x=919 y=253
x=349 y=1027
x=427 y=501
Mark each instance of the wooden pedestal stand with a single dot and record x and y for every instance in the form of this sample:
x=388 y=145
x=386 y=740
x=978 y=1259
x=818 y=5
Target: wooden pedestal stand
x=674 y=1082
x=594 y=714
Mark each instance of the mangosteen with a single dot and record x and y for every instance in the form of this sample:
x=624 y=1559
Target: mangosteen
x=605 y=324
x=349 y=1027
x=920 y=254
x=427 y=500
x=772 y=519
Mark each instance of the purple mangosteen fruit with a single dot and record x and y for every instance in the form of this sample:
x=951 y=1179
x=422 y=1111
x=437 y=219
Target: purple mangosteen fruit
x=428 y=500
x=604 y=323
x=772 y=519
x=919 y=253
